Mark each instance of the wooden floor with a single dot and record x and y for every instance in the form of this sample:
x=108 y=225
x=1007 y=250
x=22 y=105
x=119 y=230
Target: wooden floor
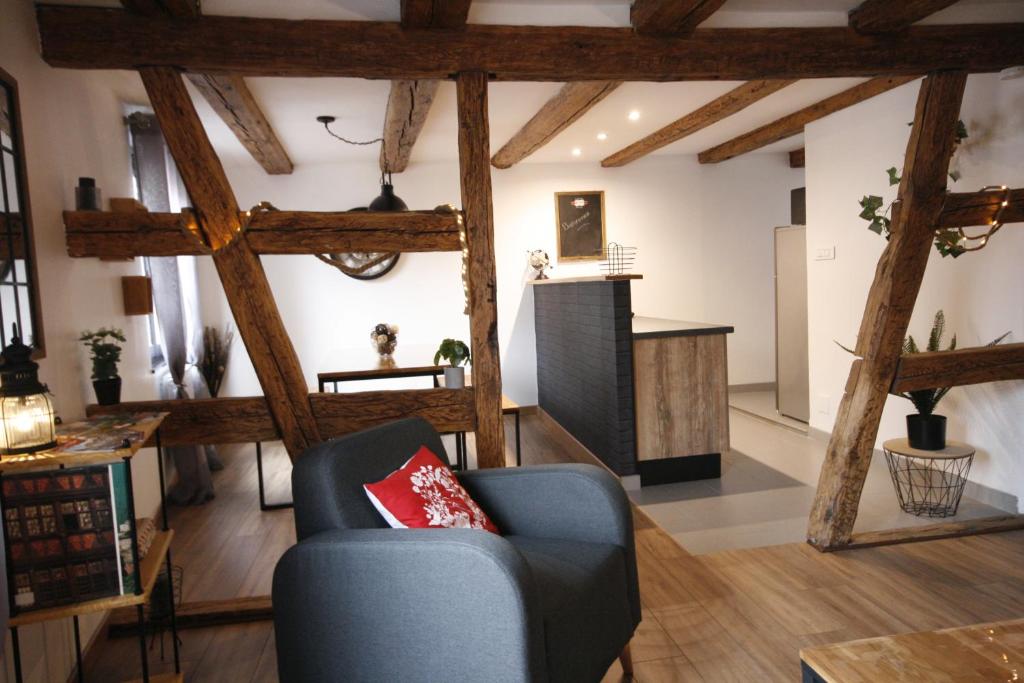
x=740 y=615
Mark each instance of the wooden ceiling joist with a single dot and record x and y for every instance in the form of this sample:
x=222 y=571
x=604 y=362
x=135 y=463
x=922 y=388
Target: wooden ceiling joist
x=245 y=282
x=797 y=158
x=104 y=234
x=959 y=367
x=670 y=17
x=408 y=105
x=722 y=107
x=435 y=13
x=886 y=16
x=230 y=98
x=791 y=125
x=227 y=94
x=572 y=101
x=887 y=311
x=116 y=39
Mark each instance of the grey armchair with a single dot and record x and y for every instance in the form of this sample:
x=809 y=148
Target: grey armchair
x=554 y=599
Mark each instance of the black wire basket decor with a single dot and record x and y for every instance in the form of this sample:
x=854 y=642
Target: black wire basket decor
x=929 y=487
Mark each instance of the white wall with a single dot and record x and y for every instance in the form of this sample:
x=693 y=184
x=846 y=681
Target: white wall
x=704 y=235
x=72 y=127
x=847 y=154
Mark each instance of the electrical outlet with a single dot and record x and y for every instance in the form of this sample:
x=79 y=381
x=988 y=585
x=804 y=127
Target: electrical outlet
x=825 y=254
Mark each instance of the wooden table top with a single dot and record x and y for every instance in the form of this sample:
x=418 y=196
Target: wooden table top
x=102 y=439
x=356 y=364
x=979 y=653
x=953 y=449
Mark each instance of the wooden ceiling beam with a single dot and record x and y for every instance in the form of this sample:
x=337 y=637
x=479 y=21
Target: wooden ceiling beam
x=963 y=209
x=791 y=125
x=435 y=13
x=797 y=158
x=567 y=106
x=886 y=16
x=670 y=17
x=722 y=107
x=116 y=39
x=227 y=94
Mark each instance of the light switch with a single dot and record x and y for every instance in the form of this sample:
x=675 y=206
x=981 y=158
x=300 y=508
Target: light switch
x=825 y=254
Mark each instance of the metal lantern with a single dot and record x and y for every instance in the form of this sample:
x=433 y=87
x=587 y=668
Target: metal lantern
x=26 y=413
x=387 y=200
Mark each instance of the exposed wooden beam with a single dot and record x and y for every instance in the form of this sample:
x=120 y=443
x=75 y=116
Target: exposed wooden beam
x=791 y=125
x=227 y=94
x=796 y=158
x=477 y=205
x=567 y=106
x=728 y=104
x=435 y=13
x=963 y=209
x=670 y=17
x=230 y=98
x=245 y=282
x=959 y=367
x=105 y=234
x=886 y=16
x=887 y=312
x=408 y=106
x=249 y=419
x=934 y=532
x=116 y=39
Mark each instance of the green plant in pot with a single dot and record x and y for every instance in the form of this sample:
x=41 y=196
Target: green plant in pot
x=926 y=430
x=457 y=354
x=105 y=353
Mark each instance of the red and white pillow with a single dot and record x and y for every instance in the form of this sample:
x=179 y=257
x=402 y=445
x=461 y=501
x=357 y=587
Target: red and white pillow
x=424 y=494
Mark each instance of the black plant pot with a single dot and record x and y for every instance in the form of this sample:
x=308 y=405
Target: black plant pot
x=108 y=391
x=927 y=432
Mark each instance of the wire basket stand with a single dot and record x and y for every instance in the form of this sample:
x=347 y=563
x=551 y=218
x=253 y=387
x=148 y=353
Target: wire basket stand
x=929 y=485
x=617 y=259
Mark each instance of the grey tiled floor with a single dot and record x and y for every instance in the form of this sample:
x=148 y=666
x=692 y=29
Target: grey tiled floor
x=766 y=491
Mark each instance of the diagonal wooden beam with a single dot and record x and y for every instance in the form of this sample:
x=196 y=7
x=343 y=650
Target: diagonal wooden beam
x=572 y=101
x=728 y=104
x=670 y=17
x=434 y=13
x=791 y=125
x=886 y=16
x=116 y=39
x=409 y=100
x=887 y=311
x=227 y=94
x=245 y=283
x=230 y=98
x=478 y=208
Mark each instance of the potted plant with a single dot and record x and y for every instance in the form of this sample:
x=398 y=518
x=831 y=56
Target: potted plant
x=105 y=353
x=457 y=354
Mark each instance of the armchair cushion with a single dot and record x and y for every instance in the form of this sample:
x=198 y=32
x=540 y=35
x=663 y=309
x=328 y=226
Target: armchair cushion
x=583 y=603
x=423 y=493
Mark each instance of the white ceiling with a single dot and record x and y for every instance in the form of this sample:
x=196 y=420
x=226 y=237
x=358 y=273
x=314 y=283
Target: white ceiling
x=292 y=104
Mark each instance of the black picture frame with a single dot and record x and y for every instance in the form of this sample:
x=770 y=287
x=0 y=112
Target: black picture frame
x=579 y=225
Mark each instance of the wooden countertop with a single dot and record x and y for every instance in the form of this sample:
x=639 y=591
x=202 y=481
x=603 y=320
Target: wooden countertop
x=589 y=278
x=652 y=328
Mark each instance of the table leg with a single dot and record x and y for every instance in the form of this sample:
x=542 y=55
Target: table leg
x=264 y=505
x=78 y=650
x=519 y=454
x=17 y=654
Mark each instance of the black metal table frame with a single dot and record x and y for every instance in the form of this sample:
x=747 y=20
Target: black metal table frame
x=18 y=677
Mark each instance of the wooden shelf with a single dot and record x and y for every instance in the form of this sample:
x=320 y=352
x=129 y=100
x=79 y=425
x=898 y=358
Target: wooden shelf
x=162 y=678
x=57 y=457
x=150 y=568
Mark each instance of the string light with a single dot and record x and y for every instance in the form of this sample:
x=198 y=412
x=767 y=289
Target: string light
x=965 y=243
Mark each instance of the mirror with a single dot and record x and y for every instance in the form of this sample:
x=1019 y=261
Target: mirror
x=19 y=288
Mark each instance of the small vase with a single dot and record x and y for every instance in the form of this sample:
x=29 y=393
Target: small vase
x=926 y=432
x=454 y=378
x=108 y=391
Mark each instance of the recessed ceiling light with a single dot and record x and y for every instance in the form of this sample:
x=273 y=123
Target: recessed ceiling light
x=576 y=151
x=634 y=115
x=602 y=136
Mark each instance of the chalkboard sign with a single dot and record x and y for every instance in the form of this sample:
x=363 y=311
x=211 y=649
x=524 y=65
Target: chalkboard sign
x=579 y=218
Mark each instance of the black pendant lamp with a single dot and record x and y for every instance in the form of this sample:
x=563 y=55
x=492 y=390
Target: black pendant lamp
x=387 y=200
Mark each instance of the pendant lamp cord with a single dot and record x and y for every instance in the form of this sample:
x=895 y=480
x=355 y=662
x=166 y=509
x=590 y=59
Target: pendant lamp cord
x=362 y=143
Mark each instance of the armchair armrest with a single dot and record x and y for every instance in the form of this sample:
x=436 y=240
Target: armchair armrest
x=408 y=605
x=572 y=502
